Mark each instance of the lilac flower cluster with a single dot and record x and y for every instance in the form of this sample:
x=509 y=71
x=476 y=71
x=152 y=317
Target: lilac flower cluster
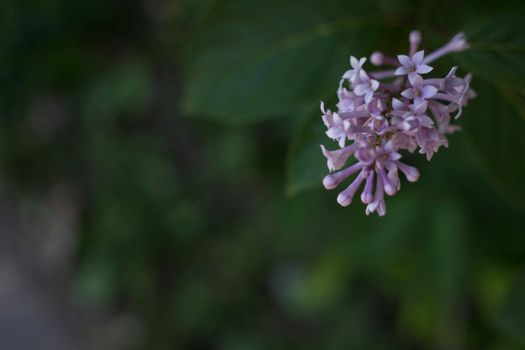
x=384 y=112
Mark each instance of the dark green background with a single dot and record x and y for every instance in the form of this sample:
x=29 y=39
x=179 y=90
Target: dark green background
x=189 y=132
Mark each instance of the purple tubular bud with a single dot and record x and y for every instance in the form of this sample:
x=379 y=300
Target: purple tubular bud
x=415 y=39
x=378 y=203
x=457 y=44
x=381 y=209
x=383 y=74
x=376 y=58
x=355 y=114
x=367 y=196
x=389 y=187
x=411 y=173
x=345 y=198
x=331 y=181
x=394 y=177
x=379 y=58
x=390 y=87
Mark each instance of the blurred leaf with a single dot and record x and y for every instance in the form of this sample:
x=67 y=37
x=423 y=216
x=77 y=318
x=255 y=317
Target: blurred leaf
x=496 y=126
x=94 y=283
x=493 y=286
x=510 y=316
x=497 y=50
x=125 y=89
x=316 y=290
x=496 y=119
x=306 y=164
x=250 y=60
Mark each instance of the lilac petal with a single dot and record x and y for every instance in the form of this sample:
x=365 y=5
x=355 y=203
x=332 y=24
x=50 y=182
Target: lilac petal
x=360 y=89
x=423 y=69
x=349 y=74
x=451 y=74
x=365 y=155
x=417 y=58
x=374 y=84
x=415 y=80
x=354 y=62
x=395 y=156
x=389 y=147
x=404 y=60
x=421 y=107
x=327 y=122
x=333 y=132
x=426 y=121
x=409 y=93
x=460 y=111
x=429 y=91
x=342 y=141
x=337 y=159
x=397 y=104
x=363 y=75
x=369 y=96
x=346 y=125
x=429 y=154
x=410 y=123
x=328 y=119
x=412 y=75
x=401 y=71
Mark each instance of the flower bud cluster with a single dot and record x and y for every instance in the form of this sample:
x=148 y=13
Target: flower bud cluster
x=384 y=112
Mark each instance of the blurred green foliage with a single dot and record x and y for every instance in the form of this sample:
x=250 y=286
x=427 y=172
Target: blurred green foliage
x=213 y=230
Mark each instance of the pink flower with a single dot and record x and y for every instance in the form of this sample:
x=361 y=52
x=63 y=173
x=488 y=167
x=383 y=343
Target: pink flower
x=419 y=92
x=366 y=87
x=381 y=119
x=337 y=127
x=412 y=65
x=353 y=74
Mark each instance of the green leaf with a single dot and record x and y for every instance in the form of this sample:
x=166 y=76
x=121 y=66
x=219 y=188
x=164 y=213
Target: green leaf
x=510 y=315
x=497 y=50
x=496 y=126
x=255 y=60
x=496 y=118
x=126 y=89
x=306 y=164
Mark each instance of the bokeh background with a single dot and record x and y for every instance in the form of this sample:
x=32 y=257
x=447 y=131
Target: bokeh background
x=160 y=180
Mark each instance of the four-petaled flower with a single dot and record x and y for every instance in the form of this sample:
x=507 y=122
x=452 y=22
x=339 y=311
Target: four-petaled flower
x=419 y=92
x=366 y=87
x=354 y=74
x=413 y=65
